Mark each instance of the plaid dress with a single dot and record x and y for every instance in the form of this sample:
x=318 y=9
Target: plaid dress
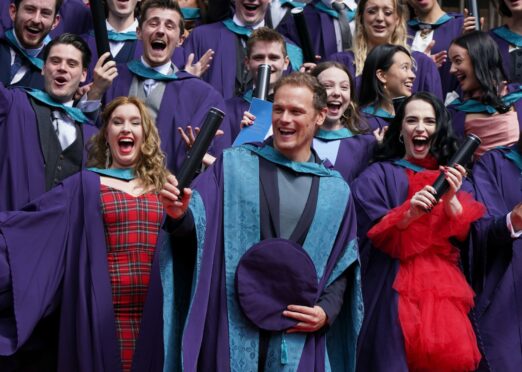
x=131 y=231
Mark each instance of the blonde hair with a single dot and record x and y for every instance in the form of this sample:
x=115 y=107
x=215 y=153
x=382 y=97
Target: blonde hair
x=150 y=167
x=398 y=37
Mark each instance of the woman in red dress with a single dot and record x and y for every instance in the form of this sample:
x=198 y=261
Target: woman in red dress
x=416 y=297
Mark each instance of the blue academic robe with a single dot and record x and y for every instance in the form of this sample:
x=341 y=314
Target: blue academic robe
x=320 y=27
x=427 y=76
x=226 y=211
x=380 y=188
x=185 y=101
x=60 y=240
x=443 y=36
x=33 y=77
x=496 y=264
x=22 y=162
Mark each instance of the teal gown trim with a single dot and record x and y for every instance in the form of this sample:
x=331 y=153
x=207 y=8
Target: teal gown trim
x=125 y=174
x=332 y=135
x=406 y=164
x=139 y=69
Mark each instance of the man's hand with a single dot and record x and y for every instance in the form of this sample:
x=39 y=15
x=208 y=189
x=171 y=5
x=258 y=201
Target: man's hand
x=310 y=319
x=469 y=22
x=104 y=74
x=201 y=66
x=169 y=197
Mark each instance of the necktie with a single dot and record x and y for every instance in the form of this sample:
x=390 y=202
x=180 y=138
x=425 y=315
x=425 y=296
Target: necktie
x=344 y=24
x=17 y=64
x=147 y=86
x=65 y=131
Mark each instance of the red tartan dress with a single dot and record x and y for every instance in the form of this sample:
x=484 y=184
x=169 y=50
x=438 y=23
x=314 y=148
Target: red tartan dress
x=434 y=296
x=131 y=230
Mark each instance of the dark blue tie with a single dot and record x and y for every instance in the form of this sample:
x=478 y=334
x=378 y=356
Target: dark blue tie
x=17 y=64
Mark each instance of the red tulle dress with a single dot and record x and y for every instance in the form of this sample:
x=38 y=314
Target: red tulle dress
x=434 y=297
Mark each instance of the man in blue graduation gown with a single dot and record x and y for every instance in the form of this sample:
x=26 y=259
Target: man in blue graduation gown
x=496 y=261
x=175 y=98
x=21 y=46
x=53 y=258
x=252 y=194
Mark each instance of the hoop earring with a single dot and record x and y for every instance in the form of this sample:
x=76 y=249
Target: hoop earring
x=401 y=138
x=108 y=157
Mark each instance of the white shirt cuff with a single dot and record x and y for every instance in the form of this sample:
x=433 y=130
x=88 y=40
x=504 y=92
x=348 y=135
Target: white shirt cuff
x=514 y=234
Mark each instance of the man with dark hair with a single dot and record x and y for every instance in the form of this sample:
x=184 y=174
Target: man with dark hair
x=228 y=73
x=277 y=259
x=42 y=141
x=175 y=98
x=264 y=46
x=42 y=135
x=21 y=46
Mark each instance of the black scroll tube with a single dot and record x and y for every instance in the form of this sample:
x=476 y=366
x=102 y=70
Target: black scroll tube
x=99 y=26
x=462 y=157
x=304 y=35
x=196 y=153
x=263 y=81
x=472 y=7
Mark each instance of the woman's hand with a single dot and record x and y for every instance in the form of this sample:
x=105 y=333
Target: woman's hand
x=469 y=22
x=454 y=177
x=310 y=319
x=169 y=197
x=421 y=203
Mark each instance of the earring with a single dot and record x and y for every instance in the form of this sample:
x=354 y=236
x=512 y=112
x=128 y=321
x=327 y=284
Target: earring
x=107 y=157
x=401 y=138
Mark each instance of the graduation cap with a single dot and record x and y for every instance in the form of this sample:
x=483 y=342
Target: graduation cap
x=270 y=276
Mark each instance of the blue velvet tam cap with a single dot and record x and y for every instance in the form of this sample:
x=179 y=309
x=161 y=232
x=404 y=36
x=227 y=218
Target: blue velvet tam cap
x=270 y=276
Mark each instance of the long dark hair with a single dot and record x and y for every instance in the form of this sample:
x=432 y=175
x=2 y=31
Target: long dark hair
x=503 y=9
x=350 y=118
x=443 y=143
x=487 y=64
x=380 y=58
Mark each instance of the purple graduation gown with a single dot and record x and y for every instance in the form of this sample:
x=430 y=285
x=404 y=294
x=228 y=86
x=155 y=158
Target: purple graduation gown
x=235 y=107
x=374 y=121
x=353 y=155
x=320 y=27
x=503 y=47
x=60 y=240
x=427 y=76
x=22 y=163
x=75 y=18
x=186 y=101
x=380 y=188
x=458 y=118
x=443 y=36
x=222 y=72
x=496 y=264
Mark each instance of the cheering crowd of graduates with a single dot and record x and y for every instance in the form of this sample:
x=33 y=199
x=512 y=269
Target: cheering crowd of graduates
x=321 y=245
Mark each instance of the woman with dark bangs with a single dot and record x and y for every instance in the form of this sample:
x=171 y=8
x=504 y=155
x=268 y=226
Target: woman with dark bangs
x=490 y=107
x=388 y=76
x=497 y=262
x=416 y=297
x=343 y=138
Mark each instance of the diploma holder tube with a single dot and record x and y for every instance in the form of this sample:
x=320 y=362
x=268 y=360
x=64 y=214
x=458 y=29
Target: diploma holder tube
x=196 y=153
x=100 y=29
x=304 y=34
x=462 y=156
x=263 y=81
x=472 y=7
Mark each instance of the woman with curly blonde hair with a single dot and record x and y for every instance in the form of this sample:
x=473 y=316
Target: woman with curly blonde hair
x=87 y=253
x=384 y=22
